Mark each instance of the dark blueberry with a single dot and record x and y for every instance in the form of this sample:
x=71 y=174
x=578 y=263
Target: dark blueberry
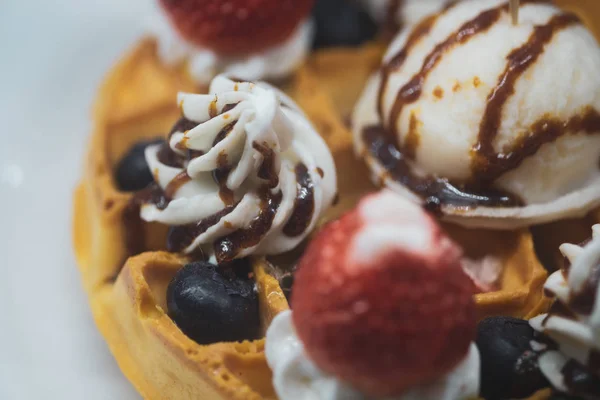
x=563 y=396
x=214 y=304
x=132 y=172
x=509 y=368
x=342 y=23
x=579 y=379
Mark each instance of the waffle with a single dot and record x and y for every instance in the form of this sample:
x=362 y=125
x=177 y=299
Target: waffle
x=128 y=294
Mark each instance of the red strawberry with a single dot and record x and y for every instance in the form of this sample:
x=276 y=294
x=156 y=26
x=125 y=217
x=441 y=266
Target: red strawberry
x=380 y=299
x=236 y=26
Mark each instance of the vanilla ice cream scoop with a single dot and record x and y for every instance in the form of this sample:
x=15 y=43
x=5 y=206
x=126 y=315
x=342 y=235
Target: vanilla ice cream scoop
x=244 y=173
x=495 y=125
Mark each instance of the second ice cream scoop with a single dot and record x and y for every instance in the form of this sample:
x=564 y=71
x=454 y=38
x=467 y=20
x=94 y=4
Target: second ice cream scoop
x=496 y=123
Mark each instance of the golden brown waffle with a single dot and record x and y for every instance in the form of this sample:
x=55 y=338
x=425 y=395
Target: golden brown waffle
x=128 y=295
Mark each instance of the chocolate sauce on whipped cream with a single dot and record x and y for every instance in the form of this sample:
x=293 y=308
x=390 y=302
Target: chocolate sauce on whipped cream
x=267 y=167
x=180 y=237
x=584 y=300
x=383 y=143
x=228 y=247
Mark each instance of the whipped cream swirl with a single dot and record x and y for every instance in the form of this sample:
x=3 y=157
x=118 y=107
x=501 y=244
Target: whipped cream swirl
x=243 y=172
x=203 y=64
x=296 y=377
x=570 y=340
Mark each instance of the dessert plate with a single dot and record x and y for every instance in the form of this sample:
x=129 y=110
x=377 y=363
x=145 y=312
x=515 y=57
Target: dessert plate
x=54 y=57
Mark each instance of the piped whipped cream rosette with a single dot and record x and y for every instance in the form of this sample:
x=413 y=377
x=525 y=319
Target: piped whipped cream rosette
x=492 y=124
x=381 y=310
x=243 y=172
x=235 y=38
x=570 y=332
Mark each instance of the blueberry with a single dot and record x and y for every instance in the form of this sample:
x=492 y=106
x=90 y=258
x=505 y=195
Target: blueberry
x=342 y=23
x=132 y=172
x=563 y=396
x=214 y=304
x=509 y=367
x=580 y=380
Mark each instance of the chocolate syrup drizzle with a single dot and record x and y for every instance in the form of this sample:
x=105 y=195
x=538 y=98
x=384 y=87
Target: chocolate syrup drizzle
x=391 y=24
x=182 y=236
x=412 y=90
x=396 y=62
x=267 y=170
x=228 y=247
x=487 y=165
x=583 y=301
x=304 y=205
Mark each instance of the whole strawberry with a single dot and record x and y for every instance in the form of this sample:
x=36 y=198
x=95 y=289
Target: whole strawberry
x=236 y=26
x=380 y=299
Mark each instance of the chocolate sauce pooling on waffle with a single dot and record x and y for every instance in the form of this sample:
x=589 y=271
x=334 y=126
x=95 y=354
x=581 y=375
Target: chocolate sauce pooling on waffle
x=487 y=165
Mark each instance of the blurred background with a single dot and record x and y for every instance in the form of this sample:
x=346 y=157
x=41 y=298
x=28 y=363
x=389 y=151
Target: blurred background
x=53 y=57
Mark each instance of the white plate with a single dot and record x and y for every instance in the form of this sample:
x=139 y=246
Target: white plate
x=53 y=55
